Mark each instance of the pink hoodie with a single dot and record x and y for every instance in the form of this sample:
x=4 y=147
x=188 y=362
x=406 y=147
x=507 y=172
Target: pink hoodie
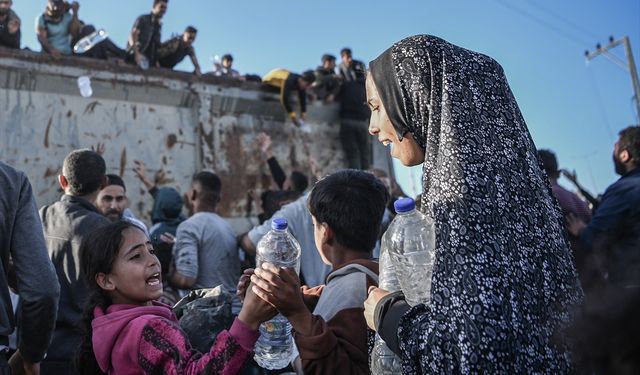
x=147 y=339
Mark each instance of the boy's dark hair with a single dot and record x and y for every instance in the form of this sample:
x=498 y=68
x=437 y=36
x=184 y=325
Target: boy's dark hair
x=299 y=182
x=345 y=51
x=210 y=187
x=98 y=252
x=191 y=30
x=630 y=141
x=227 y=57
x=352 y=203
x=114 y=179
x=155 y=2
x=549 y=163
x=84 y=170
x=328 y=57
x=309 y=76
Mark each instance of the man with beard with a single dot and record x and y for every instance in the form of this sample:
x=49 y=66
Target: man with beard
x=9 y=26
x=112 y=201
x=613 y=228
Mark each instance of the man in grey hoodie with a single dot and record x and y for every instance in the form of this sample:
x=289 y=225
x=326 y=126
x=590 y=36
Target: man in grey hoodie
x=35 y=281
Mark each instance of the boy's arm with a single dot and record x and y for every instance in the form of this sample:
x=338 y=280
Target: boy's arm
x=333 y=346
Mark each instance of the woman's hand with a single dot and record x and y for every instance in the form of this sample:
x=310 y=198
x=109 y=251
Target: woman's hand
x=375 y=295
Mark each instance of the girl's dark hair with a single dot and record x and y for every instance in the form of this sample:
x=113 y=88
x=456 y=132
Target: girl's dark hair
x=98 y=251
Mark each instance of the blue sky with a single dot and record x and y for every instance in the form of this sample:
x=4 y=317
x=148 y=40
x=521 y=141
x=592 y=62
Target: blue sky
x=570 y=106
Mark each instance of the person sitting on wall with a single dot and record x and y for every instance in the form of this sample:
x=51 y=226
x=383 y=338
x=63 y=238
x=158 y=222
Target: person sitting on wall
x=287 y=83
x=144 y=39
x=225 y=70
x=174 y=50
x=327 y=82
x=57 y=27
x=9 y=26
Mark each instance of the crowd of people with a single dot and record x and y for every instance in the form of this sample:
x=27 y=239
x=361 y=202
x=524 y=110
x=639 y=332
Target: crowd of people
x=528 y=276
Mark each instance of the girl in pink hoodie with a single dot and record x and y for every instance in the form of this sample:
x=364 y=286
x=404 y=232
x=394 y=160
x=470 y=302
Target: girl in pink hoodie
x=126 y=332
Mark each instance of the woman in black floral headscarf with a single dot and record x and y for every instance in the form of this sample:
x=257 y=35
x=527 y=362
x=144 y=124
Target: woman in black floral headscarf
x=504 y=281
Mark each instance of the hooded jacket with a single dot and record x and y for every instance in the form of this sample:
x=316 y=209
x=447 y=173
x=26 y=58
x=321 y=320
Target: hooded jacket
x=147 y=339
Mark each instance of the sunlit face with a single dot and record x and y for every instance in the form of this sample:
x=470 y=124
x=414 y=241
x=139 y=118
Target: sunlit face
x=407 y=151
x=346 y=59
x=5 y=5
x=135 y=277
x=112 y=201
x=227 y=63
x=318 y=231
x=159 y=9
x=188 y=38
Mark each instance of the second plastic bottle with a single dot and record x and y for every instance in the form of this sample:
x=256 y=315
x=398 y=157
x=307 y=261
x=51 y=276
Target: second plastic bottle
x=275 y=347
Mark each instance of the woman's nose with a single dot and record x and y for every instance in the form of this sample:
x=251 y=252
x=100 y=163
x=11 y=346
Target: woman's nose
x=373 y=130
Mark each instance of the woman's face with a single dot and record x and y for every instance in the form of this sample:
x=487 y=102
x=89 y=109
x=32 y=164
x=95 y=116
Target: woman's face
x=135 y=276
x=407 y=151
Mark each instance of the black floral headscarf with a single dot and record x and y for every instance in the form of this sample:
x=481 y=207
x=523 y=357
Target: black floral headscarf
x=503 y=280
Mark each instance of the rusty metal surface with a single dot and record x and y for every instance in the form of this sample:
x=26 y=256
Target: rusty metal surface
x=172 y=121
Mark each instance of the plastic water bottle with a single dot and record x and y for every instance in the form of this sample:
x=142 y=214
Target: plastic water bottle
x=84 y=84
x=275 y=347
x=411 y=245
x=90 y=41
x=383 y=360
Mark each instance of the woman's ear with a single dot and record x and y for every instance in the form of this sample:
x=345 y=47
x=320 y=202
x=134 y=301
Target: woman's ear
x=104 y=281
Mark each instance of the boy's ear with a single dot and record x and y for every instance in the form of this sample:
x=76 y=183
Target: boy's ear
x=62 y=180
x=104 y=282
x=327 y=234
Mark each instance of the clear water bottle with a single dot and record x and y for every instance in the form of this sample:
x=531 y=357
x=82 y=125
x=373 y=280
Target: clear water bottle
x=90 y=41
x=383 y=360
x=411 y=244
x=275 y=347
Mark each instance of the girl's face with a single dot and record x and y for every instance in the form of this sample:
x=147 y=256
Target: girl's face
x=135 y=276
x=407 y=151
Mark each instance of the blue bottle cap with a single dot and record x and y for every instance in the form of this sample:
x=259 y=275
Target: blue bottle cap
x=279 y=223
x=404 y=205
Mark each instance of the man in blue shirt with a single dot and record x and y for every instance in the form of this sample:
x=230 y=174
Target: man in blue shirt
x=614 y=229
x=57 y=27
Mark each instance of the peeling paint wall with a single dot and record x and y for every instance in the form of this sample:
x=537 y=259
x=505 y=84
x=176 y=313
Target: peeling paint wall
x=171 y=121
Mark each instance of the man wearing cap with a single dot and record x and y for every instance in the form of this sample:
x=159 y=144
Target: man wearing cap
x=57 y=27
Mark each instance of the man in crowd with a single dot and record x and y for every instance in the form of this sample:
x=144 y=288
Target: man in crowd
x=288 y=83
x=174 y=50
x=225 y=70
x=21 y=240
x=614 y=229
x=570 y=204
x=354 y=113
x=66 y=223
x=57 y=27
x=205 y=250
x=327 y=81
x=144 y=39
x=9 y=26
x=113 y=202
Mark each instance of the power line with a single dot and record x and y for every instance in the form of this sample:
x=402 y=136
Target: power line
x=564 y=20
x=542 y=22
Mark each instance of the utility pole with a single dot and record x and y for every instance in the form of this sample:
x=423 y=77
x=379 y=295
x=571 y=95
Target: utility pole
x=629 y=66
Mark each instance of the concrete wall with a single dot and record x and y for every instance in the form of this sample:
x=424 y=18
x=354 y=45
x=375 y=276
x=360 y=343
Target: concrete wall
x=172 y=121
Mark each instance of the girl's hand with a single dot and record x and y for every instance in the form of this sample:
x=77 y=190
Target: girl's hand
x=255 y=310
x=243 y=284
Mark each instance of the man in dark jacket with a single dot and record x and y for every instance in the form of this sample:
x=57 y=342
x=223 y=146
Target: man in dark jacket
x=613 y=230
x=9 y=26
x=144 y=39
x=66 y=223
x=22 y=241
x=354 y=112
